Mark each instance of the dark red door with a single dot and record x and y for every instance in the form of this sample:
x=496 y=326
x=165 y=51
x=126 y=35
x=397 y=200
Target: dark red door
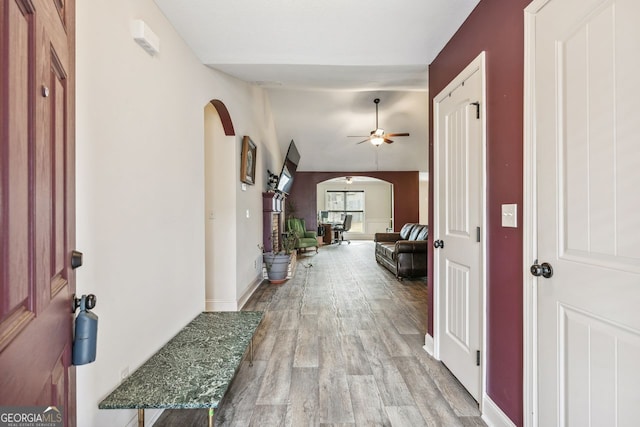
x=37 y=212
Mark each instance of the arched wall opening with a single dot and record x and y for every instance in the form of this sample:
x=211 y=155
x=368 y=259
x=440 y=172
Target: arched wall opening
x=225 y=117
x=219 y=216
x=368 y=200
x=406 y=194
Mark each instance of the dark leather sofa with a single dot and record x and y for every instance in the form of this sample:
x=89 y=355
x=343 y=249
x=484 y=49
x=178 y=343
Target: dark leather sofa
x=404 y=253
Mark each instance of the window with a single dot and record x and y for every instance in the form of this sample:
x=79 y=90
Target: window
x=340 y=203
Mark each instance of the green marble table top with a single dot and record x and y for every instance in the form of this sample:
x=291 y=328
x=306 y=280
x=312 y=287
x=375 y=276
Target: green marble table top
x=194 y=369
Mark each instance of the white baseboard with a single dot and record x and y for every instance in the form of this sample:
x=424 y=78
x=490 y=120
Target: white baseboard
x=220 y=305
x=493 y=415
x=428 y=344
x=150 y=417
x=231 y=305
x=250 y=290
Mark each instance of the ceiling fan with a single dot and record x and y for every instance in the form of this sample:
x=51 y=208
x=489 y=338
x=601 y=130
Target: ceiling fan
x=378 y=136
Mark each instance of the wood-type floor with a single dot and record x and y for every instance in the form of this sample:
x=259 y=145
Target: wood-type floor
x=340 y=345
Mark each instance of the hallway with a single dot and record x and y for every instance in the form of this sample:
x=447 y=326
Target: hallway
x=340 y=343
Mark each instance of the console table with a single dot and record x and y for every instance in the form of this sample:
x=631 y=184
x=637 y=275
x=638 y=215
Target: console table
x=193 y=370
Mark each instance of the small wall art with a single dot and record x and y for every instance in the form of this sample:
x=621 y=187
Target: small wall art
x=248 y=161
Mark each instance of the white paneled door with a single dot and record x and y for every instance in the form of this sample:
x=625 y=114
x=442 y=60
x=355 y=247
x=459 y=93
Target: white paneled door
x=586 y=131
x=458 y=251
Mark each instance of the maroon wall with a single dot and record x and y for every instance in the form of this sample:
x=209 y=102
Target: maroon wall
x=405 y=194
x=496 y=27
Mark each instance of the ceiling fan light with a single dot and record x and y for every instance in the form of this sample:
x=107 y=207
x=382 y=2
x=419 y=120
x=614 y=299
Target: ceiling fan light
x=378 y=133
x=377 y=141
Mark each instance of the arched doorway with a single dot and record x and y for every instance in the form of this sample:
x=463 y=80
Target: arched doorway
x=369 y=200
x=219 y=152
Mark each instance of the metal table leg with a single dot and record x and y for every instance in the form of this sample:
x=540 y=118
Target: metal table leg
x=251 y=352
x=210 y=417
x=140 y=417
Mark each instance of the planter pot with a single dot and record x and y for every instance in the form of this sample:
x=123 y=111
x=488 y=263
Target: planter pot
x=277 y=266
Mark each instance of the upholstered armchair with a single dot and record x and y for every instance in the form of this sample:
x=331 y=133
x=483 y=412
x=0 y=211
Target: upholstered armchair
x=305 y=239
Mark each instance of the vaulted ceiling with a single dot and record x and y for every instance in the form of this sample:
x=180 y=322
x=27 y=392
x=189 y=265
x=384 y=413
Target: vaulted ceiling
x=324 y=62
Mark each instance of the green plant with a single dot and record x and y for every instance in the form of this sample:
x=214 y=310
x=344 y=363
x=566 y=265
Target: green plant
x=290 y=208
x=289 y=241
x=288 y=244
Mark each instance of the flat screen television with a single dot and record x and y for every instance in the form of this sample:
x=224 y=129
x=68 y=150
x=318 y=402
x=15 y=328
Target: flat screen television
x=288 y=172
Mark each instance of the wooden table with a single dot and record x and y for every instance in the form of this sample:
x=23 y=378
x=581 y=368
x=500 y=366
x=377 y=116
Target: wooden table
x=194 y=369
x=328 y=233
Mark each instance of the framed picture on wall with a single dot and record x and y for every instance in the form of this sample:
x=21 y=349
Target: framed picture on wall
x=248 y=161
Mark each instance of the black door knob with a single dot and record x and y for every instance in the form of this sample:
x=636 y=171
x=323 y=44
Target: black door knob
x=90 y=302
x=438 y=244
x=545 y=270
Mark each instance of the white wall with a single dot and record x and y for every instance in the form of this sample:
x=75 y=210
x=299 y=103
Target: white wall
x=270 y=155
x=140 y=188
x=423 y=189
x=378 y=209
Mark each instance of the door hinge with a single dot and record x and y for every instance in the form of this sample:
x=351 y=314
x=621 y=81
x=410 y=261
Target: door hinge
x=478 y=234
x=477 y=357
x=477 y=104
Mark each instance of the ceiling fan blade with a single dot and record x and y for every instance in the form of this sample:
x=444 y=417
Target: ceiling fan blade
x=377 y=136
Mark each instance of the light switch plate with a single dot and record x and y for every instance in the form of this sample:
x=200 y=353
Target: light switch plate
x=510 y=215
